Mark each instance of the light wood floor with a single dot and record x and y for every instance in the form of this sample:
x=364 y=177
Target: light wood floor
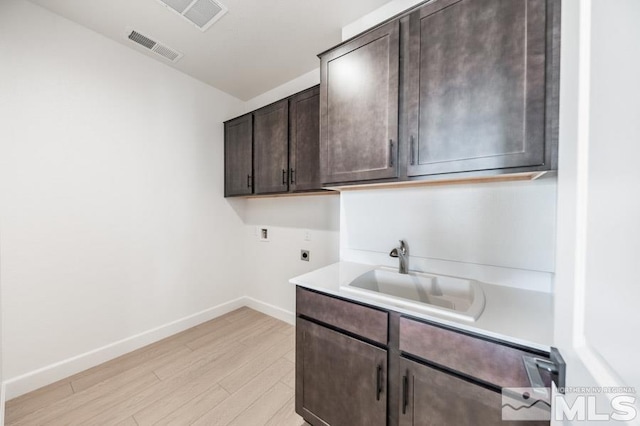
x=237 y=369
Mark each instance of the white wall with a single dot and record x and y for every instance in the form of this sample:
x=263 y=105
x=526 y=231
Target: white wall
x=113 y=219
x=377 y=16
x=296 y=85
x=294 y=223
x=502 y=233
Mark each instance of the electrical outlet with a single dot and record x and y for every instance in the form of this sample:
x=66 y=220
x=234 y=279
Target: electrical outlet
x=307 y=235
x=264 y=233
x=304 y=255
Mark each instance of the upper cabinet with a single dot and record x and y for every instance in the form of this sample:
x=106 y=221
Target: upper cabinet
x=478 y=94
x=271 y=141
x=274 y=150
x=450 y=89
x=476 y=86
x=359 y=107
x=304 y=137
x=238 y=150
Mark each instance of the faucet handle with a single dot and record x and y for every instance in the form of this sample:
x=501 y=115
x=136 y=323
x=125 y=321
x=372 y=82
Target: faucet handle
x=394 y=253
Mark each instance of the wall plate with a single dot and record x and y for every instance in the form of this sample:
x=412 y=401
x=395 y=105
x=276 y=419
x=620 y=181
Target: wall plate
x=264 y=233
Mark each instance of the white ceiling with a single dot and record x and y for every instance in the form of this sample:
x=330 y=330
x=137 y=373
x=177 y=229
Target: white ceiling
x=255 y=47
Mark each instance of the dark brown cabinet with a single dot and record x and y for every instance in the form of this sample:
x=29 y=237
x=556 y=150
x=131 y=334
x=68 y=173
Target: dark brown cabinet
x=271 y=141
x=304 y=139
x=359 y=108
x=449 y=89
x=342 y=379
x=274 y=150
x=360 y=365
x=341 y=361
x=459 y=377
x=476 y=86
x=238 y=150
x=432 y=398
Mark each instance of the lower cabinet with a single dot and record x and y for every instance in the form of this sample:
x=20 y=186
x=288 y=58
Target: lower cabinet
x=357 y=364
x=340 y=380
x=431 y=397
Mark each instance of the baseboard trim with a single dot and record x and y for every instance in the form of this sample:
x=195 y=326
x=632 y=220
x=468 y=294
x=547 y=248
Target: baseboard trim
x=2 y=400
x=52 y=373
x=271 y=310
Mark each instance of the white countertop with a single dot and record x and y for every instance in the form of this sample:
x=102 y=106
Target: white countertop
x=524 y=317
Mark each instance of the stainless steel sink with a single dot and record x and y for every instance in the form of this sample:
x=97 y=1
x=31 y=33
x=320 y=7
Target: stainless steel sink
x=428 y=293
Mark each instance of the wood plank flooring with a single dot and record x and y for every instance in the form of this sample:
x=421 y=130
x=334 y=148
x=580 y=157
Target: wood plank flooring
x=236 y=370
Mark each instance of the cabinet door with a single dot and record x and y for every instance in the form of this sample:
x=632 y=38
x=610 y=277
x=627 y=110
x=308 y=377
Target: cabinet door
x=340 y=381
x=359 y=108
x=304 y=139
x=430 y=397
x=476 y=86
x=271 y=136
x=238 y=142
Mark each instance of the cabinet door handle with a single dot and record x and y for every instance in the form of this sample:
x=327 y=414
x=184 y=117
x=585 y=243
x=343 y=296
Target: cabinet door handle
x=293 y=175
x=412 y=147
x=248 y=181
x=405 y=393
x=284 y=177
x=390 y=152
x=379 y=382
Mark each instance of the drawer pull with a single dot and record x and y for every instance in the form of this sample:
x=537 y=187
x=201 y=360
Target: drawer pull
x=412 y=147
x=405 y=393
x=379 y=382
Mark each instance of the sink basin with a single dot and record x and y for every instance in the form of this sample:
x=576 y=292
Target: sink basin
x=428 y=293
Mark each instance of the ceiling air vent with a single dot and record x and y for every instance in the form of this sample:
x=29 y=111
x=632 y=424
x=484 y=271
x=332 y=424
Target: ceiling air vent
x=201 y=13
x=154 y=46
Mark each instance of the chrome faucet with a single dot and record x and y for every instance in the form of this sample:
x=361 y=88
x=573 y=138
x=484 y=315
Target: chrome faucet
x=402 y=253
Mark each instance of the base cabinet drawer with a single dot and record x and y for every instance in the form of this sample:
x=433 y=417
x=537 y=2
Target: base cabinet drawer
x=361 y=320
x=487 y=361
x=339 y=380
x=433 y=398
